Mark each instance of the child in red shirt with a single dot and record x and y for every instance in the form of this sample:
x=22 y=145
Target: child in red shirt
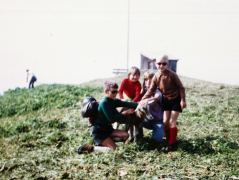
x=130 y=87
x=130 y=90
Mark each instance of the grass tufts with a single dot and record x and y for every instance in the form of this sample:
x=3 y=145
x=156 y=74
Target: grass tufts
x=41 y=128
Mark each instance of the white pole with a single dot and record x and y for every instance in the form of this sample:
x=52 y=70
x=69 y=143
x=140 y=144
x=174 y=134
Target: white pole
x=27 y=74
x=128 y=33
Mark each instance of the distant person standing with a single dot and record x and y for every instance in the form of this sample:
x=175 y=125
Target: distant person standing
x=32 y=77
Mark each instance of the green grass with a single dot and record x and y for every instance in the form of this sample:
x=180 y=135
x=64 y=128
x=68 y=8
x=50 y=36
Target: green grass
x=41 y=128
x=21 y=101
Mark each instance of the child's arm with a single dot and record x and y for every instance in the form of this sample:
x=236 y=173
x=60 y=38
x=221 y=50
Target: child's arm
x=152 y=88
x=110 y=113
x=120 y=103
x=181 y=91
x=121 y=89
x=114 y=116
x=138 y=93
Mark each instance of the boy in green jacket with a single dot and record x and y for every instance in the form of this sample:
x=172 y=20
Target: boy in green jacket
x=103 y=132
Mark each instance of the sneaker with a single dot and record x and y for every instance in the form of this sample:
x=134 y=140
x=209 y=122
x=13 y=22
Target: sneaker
x=85 y=148
x=170 y=148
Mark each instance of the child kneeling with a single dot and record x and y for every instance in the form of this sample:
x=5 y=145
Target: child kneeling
x=152 y=107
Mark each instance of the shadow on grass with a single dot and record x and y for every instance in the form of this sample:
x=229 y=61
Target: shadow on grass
x=207 y=145
x=202 y=146
x=147 y=144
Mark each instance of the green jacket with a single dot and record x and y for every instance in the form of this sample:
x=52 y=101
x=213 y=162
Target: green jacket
x=107 y=112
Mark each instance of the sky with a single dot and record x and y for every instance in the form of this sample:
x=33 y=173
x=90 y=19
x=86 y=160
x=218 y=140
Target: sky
x=70 y=42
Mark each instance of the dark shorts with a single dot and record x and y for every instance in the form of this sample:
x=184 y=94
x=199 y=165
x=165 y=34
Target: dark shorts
x=172 y=105
x=101 y=133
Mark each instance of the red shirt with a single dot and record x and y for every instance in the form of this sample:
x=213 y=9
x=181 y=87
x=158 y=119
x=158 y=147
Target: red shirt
x=131 y=89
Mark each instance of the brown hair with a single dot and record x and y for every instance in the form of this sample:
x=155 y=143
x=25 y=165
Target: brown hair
x=108 y=85
x=147 y=75
x=134 y=70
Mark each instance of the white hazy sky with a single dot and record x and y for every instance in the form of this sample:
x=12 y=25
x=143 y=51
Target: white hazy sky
x=71 y=41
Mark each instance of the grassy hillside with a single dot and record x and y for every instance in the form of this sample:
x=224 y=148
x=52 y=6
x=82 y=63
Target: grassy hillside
x=41 y=128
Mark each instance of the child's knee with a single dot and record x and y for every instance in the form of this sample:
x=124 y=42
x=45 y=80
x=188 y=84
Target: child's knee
x=172 y=123
x=158 y=133
x=126 y=136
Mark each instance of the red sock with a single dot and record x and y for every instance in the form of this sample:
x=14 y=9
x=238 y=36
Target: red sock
x=172 y=135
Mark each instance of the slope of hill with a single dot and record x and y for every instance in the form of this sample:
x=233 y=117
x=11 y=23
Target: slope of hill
x=41 y=128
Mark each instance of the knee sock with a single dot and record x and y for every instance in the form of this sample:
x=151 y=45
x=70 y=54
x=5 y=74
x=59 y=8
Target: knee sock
x=172 y=135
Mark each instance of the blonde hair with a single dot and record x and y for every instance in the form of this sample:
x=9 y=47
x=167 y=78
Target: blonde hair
x=147 y=75
x=164 y=58
x=134 y=70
